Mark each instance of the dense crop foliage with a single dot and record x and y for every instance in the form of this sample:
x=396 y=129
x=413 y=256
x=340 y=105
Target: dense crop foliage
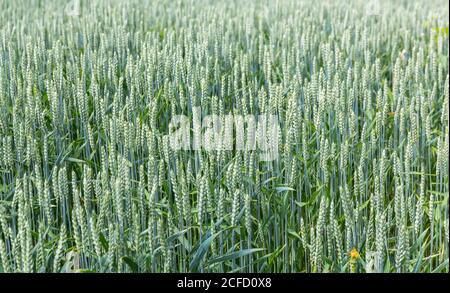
x=89 y=182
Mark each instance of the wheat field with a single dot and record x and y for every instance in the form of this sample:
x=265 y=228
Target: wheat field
x=90 y=181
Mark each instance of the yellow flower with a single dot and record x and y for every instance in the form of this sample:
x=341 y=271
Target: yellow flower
x=354 y=254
